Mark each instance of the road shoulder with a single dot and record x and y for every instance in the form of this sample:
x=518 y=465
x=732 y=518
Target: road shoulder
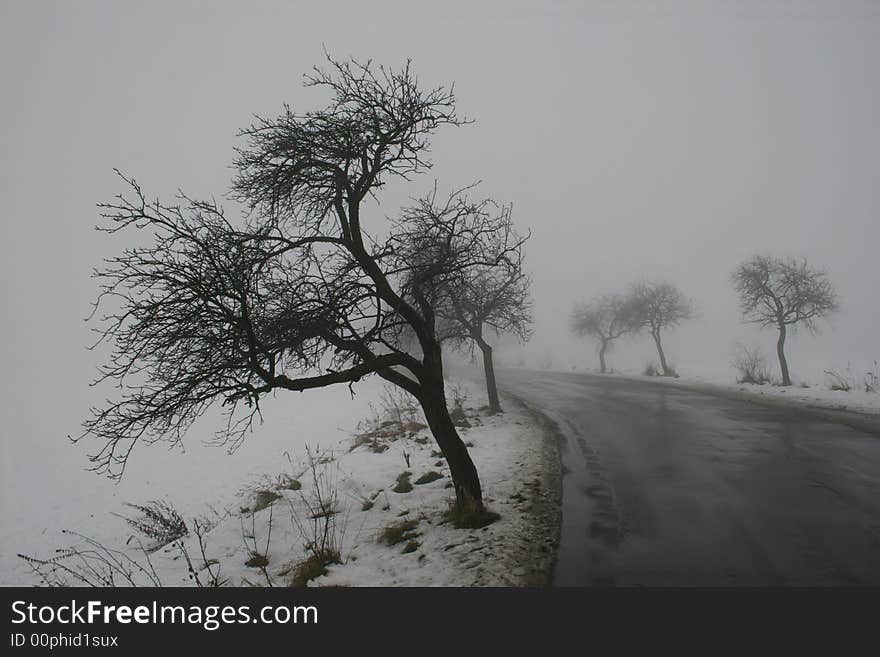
x=544 y=500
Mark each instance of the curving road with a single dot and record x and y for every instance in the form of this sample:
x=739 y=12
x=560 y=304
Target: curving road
x=666 y=486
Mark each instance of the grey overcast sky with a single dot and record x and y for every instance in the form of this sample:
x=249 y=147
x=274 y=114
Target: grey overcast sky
x=635 y=139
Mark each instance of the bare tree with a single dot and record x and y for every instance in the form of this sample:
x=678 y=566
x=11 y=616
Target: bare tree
x=606 y=318
x=783 y=292
x=497 y=299
x=467 y=258
x=657 y=306
x=299 y=296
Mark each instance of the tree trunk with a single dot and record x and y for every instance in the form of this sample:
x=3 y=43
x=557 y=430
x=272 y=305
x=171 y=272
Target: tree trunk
x=602 y=348
x=489 y=370
x=663 y=365
x=468 y=492
x=780 y=351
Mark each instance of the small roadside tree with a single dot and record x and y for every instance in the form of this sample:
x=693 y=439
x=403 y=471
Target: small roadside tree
x=467 y=258
x=606 y=319
x=299 y=296
x=783 y=293
x=658 y=306
x=496 y=299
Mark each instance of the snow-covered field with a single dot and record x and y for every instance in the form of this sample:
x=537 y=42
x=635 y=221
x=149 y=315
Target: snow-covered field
x=259 y=500
x=46 y=487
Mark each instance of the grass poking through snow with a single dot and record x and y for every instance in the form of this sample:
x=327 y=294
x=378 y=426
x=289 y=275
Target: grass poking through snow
x=399 y=532
x=403 y=483
x=428 y=477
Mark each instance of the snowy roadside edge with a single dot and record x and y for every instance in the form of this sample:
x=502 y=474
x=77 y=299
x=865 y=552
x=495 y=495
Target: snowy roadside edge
x=545 y=510
x=517 y=455
x=828 y=408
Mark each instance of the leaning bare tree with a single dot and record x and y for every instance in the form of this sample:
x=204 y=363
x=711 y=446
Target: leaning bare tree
x=606 y=318
x=658 y=306
x=298 y=296
x=781 y=293
x=470 y=267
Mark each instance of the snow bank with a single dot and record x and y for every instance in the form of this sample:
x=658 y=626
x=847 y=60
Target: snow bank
x=813 y=397
x=262 y=504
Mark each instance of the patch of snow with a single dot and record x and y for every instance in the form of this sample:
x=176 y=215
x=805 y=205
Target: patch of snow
x=514 y=452
x=818 y=396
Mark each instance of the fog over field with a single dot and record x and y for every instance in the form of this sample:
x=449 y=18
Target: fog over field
x=636 y=141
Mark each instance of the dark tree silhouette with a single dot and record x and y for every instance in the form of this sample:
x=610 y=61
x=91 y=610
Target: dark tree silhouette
x=606 y=318
x=298 y=296
x=470 y=266
x=783 y=292
x=657 y=306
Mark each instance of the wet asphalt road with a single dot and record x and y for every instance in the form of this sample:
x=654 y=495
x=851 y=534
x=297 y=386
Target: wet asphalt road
x=666 y=486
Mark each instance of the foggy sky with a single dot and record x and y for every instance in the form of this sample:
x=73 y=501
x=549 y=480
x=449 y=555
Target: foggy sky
x=636 y=140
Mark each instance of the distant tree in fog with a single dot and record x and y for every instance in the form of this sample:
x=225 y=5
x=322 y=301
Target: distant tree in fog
x=781 y=293
x=657 y=306
x=465 y=261
x=606 y=319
